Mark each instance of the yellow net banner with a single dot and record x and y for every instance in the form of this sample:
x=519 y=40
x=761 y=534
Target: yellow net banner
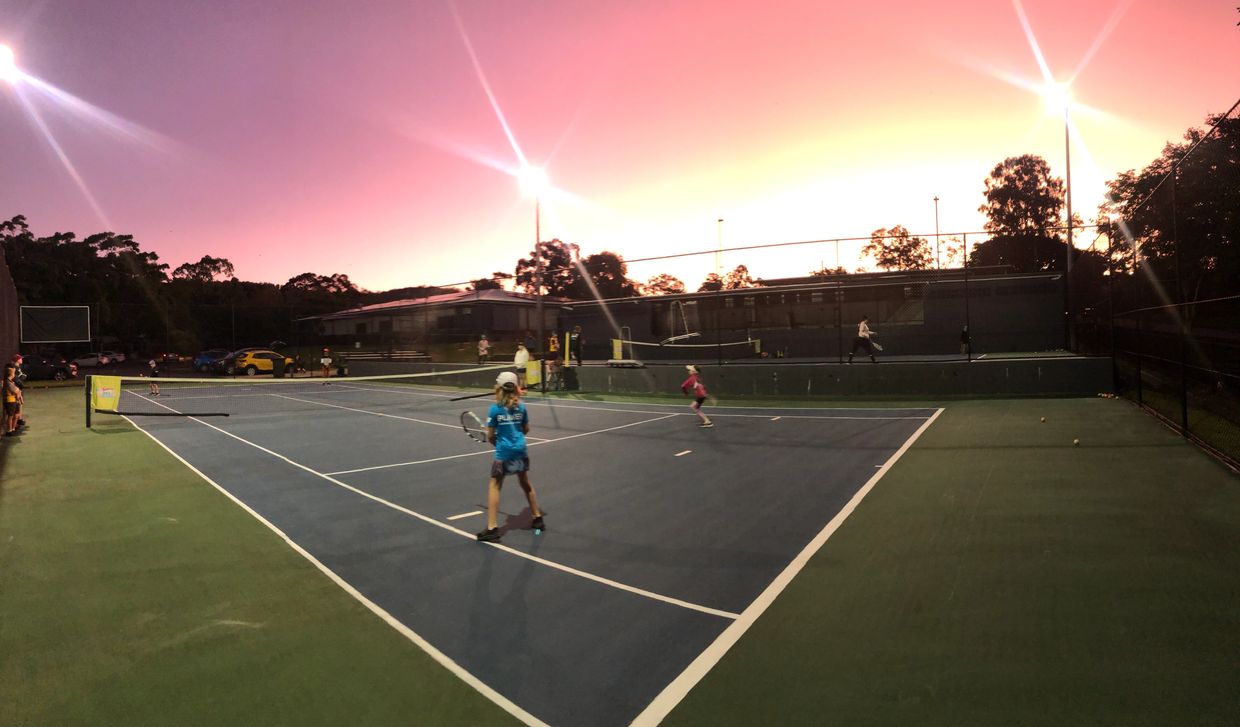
x=105 y=393
x=617 y=349
x=533 y=373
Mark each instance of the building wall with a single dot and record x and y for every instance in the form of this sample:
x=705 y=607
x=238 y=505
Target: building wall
x=9 y=322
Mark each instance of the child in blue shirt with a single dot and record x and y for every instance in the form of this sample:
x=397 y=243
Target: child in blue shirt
x=507 y=424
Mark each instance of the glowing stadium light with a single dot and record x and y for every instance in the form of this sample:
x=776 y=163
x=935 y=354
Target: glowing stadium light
x=8 y=65
x=1057 y=98
x=533 y=181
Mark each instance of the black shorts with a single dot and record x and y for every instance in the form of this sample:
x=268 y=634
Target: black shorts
x=700 y=400
x=11 y=408
x=501 y=467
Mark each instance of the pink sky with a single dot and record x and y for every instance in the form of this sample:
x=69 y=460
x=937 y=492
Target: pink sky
x=293 y=136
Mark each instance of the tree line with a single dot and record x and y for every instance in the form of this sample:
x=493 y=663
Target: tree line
x=142 y=301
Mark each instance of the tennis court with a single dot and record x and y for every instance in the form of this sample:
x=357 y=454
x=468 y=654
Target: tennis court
x=996 y=573
x=662 y=535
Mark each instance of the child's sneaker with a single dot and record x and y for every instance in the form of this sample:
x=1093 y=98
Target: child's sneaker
x=706 y=425
x=538 y=524
x=487 y=536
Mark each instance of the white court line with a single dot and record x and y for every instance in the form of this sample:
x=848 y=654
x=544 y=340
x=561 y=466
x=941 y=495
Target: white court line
x=381 y=414
x=714 y=412
x=464 y=515
x=979 y=358
x=675 y=691
x=473 y=454
x=681 y=454
x=499 y=546
x=365 y=411
x=775 y=419
x=443 y=659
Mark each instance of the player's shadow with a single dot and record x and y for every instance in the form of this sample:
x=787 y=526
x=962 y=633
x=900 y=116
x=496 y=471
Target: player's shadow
x=498 y=639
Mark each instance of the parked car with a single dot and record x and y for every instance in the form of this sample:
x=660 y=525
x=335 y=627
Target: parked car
x=205 y=359
x=43 y=368
x=251 y=362
x=114 y=356
x=92 y=359
x=168 y=357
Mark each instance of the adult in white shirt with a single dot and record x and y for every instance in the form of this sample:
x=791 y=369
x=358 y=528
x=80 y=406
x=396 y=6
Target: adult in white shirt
x=863 y=340
x=519 y=361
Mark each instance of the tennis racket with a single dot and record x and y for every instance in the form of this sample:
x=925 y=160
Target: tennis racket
x=473 y=427
x=876 y=346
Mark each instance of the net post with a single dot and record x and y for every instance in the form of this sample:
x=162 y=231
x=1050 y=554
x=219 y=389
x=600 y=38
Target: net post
x=88 y=384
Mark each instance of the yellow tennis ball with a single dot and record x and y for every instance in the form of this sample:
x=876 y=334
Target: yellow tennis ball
x=1043 y=418
x=1076 y=442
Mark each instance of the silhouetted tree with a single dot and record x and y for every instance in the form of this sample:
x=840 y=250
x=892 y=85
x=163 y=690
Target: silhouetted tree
x=663 y=284
x=609 y=274
x=205 y=270
x=895 y=249
x=712 y=283
x=560 y=275
x=826 y=272
x=1207 y=211
x=738 y=278
x=1023 y=207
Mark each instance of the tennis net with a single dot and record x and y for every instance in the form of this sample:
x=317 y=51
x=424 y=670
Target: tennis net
x=641 y=351
x=183 y=397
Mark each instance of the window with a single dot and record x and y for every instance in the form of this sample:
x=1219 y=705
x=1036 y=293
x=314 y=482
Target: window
x=359 y=328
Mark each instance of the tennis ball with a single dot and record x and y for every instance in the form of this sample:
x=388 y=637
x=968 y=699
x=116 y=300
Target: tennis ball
x=1043 y=418
x=1076 y=442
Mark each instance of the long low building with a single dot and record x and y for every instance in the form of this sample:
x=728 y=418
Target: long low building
x=445 y=318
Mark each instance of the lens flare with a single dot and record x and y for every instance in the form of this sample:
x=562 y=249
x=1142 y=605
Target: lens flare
x=8 y=65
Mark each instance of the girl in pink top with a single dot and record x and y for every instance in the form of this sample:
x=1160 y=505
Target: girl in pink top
x=694 y=384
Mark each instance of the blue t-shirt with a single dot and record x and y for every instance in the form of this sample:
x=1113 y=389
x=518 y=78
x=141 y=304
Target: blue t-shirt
x=509 y=426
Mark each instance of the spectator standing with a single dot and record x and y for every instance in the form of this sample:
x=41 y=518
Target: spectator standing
x=326 y=362
x=575 y=342
x=519 y=362
x=484 y=349
x=12 y=400
x=20 y=379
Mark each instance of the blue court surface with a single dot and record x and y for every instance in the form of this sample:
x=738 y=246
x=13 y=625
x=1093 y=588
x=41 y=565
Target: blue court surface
x=664 y=541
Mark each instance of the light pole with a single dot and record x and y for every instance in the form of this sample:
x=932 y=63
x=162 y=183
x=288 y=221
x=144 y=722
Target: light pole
x=937 y=265
x=1058 y=100
x=533 y=182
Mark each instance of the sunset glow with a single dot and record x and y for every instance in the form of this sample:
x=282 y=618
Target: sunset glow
x=382 y=141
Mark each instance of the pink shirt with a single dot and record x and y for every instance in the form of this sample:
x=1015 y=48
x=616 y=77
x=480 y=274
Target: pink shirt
x=693 y=382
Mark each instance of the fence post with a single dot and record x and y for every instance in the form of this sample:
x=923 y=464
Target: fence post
x=1182 y=308
x=964 y=245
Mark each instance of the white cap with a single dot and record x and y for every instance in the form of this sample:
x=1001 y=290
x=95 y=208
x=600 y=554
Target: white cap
x=507 y=380
x=692 y=369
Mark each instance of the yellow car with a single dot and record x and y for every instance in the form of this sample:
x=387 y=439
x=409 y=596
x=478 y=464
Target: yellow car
x=256 y=362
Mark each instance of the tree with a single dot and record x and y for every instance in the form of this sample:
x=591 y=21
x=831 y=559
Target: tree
x=1023 y=209
x=1022 y=198
x=663 y=284
x=738 y=278
x=895 y=249
x=609 y=274
x=712 y=283
x=495 y=282
x=560 y=275
x=826 y=272
x=1206 y=224
x=205 y=270
x=334 y=284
